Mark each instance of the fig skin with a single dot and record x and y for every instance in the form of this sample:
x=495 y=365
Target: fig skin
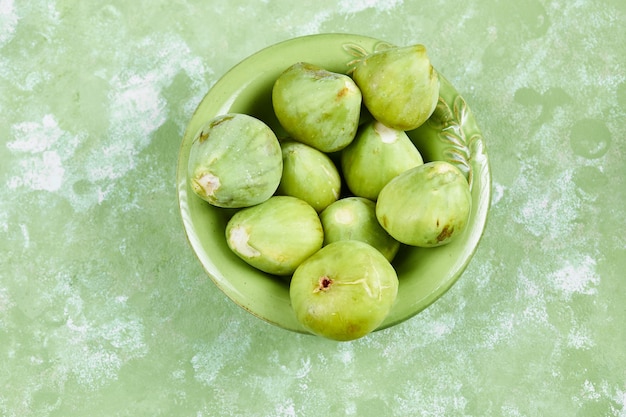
x=309 y=174
x=344 y=291
x=399 y=86
x=354 y=218
x=317 y=107
x=235 y=161
x=376 y=156
x=276 y=235
x=426 y=206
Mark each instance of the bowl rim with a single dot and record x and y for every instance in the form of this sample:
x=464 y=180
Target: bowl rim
x=183 y=193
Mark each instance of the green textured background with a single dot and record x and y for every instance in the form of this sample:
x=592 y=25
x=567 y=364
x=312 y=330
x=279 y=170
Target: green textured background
x=104 y=310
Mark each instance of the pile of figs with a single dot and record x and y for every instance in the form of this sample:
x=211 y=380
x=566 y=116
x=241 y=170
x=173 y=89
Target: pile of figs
x=329 y=205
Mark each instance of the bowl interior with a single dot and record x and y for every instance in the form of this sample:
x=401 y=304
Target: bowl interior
x=451 y=134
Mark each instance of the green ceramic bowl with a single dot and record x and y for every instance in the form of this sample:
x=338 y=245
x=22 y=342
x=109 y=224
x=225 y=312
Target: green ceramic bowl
x=451 y=134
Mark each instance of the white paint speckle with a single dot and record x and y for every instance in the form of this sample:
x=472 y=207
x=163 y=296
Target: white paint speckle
x=36 y=360
x=41 y=148
x=579 y=339
x=314 y=24
x=286 y=409
x=42 y=173
x=211 y=358
x=350 y=408
x=620 y=400
x=8 y=21
x=350 y=6
x=498 y=191
x=588 y=391
x=121 y=299
x=576 y=276
x=346 y=354
x=82 y=328
x=5 y=304
x=25 y=235
x=35 y=137
x=511 y=411
x=4 y=221
x=304 y=369
x=179 y=374
x=550 y=209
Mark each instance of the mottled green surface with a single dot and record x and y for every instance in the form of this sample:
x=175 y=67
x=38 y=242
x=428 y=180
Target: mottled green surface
x=105 y=311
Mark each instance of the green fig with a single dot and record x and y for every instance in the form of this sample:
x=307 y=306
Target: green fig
x=275 y=236
x=317 y=107
x=376 y=155
x=354 y=218
x=344 y=291
x=399 y=86
x=309 y=174
x=235 y=161
x=426 y=206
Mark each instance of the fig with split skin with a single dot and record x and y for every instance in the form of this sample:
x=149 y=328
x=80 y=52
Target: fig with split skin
x=309 y=174
x=317 y=107
x=235 y=161
x=344 y=291
x=354 y=218
x=376 y=155
x=276 y=235
x=426 y=206
x=400 y=87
